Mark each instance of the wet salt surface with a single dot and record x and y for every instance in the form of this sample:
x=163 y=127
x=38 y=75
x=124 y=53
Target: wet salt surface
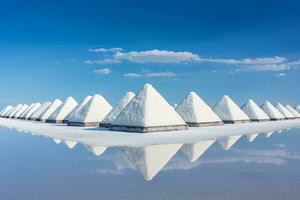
x=35 y=167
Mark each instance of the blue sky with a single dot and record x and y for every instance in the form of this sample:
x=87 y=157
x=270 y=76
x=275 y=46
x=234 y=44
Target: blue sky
x=246 y=49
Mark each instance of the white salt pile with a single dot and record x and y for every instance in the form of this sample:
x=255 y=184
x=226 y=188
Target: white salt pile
x=148 y=111
x=37 y=114
x=77 y=108
x=20 y=111
x=52 y=108
x=62 y=111
x=5 y=110
x=293 y=111
x=254 y=112
x=271 y=111
x=284 y=111
x=32 y=110
x=229 y=112
x=195 y=112
x=92 y=113
x=111 y=116
x=17 y=108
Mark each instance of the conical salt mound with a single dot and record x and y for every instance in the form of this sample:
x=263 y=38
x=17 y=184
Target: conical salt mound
x=195 y=112
x=18 y=107
x=293 y=111
x=62 y=111
x=228 y=142
x=52 y=108
x=77 y=108
x=255 y=113
x=20 y=111
x=149 y=160
x=6 y=115
x=148 y=111
x=96 y=150
x=111 y=116
x=297 y=108
x=251 y=137
x=32 y=110
x=26 y=111
x=271 y=111
x=5 y=110
x=195 y=150
x=229 y=112
x=37 y=114
x=92 y=113
x=284 y=111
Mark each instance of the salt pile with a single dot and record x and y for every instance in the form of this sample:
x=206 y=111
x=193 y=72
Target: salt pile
x=195 y=112
x=148 y=111
x=297 y=108
x=149 y=160
x=62 y=111
x=284 y=111
x=271 y=111
x=8 y=112
x=254 y=112
x=36 y=115
x=92 y=113
x=17 y=108
x=77 y=108
x=229 y=112
x=31 y=111
x=20 y=111
x=111 y=116
x=25 y=111
x=5 y=110
x=293 y=111
x=52 y=108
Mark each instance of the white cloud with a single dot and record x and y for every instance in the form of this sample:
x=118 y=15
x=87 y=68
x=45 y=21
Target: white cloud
x=104 y=50
x=151 y=74
x=247 y=61
x=106 y=61
x=280 y=75
x=263 y=68
x=157 y=56
x=103 y=71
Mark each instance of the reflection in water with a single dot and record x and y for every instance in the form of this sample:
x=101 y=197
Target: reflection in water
x=228 y=142
x=149 y=160
x=269 y=134
x=251 y=137
x=96 y=150
x=57 y=141
x=70 y=144
x=195 y=150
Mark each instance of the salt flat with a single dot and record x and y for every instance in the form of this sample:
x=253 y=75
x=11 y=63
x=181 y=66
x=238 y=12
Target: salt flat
x=107 y=138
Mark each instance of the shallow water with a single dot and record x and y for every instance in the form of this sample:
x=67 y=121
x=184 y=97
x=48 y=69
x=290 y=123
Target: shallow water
x=33 y=167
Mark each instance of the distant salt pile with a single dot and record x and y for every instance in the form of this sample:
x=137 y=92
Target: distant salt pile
x=254 y=112
x=229 y=112
x=284 y=111
x=6 y=114
x=195 y=112
x=111 y=116
x=297 y=108
x=25 y=111
x=5 y=110
x=20 y=111
x=293 y=111
x=271 y=111
x=31 y=111
x=36 y=115
x=92 y=113
x=17 y=108
x=77 y=108
x=62 y=111
x=52 y=108
x=148 y=111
